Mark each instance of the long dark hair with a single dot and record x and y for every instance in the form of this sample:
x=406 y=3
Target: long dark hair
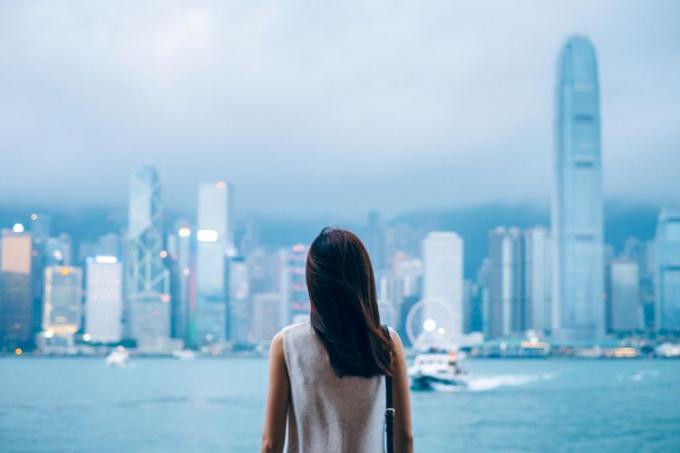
x=344 y=308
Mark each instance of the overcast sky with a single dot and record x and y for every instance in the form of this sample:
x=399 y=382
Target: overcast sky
x=313 y=108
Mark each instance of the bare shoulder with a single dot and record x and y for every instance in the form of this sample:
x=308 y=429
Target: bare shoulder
x=277 y=342
x=396 y=340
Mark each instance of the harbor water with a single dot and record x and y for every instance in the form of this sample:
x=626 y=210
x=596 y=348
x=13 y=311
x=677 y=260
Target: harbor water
x=171 y=405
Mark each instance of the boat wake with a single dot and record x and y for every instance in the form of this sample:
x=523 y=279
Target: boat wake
x=486 y=383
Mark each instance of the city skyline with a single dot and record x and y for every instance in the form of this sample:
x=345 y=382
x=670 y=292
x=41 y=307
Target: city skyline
x=455 y=113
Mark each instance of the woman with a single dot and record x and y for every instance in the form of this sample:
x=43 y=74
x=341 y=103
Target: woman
x=327 y=375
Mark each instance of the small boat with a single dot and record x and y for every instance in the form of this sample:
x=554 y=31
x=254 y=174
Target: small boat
x=437 y=370
x=118 y=357
x=184 y=354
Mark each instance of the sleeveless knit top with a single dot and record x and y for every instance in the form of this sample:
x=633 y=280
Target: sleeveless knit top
x=328 y=413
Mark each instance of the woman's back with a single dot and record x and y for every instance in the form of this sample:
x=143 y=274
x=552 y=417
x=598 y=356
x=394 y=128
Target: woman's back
x=326 y=412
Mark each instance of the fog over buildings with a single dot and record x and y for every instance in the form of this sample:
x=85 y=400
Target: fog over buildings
x=326 y=109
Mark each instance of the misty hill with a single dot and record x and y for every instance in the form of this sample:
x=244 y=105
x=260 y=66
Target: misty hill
x=472 y=223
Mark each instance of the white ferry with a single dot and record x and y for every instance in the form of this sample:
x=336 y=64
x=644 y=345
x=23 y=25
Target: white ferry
x=118 y=357
x=437 y=370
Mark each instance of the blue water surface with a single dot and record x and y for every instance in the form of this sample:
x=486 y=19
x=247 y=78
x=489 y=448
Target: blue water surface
x=60 y=404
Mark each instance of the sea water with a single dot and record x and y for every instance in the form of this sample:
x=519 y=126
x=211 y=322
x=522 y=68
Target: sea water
x=169 y=405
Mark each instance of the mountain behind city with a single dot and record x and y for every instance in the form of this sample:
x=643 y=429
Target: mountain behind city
x=622 y=220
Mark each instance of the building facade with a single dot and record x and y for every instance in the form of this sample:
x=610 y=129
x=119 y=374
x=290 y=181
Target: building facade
x=62 y=300
x=147 y=280
x=16 y=290
x=443 y=278
x=212 y=249
x=624 y=309
x=104 y=299
x=505 y=280
x=577 y=211
x=667 y=282
x=537 y=279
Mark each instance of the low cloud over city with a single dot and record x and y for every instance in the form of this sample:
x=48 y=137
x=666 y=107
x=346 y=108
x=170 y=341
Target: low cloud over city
x=326 y=109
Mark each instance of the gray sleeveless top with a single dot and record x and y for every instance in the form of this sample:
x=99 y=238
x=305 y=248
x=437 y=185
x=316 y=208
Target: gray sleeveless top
x=328 y=413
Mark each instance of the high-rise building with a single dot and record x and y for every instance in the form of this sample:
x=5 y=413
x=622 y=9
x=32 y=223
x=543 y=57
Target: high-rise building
x=667 y=251
x=642 y=253
x=578 y=264
x=181 y=283
x=239 y=315
x=62 y=300
x=294 y=284
x=104 y=299
x=624 y=296
x=147 y=279
x=443 y=278
x=505 y=280
x=537 y=280
x=212 y=250
x=16 y=290
x=266 y=316
x=473 y=319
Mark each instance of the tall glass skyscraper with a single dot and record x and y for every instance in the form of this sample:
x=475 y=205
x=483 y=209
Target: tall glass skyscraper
x=146 y=279
x=668 y=271
x=214 y=244
x=443 y=279
x=505 y=283
x=578 y=263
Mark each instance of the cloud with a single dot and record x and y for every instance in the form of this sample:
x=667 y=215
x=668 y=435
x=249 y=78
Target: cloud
x=325 y=108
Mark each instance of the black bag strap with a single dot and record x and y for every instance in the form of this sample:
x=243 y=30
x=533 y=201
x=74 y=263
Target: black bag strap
x=389 y=408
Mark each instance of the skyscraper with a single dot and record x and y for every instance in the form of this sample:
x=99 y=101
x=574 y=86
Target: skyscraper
x=62 y=299
x=294 y=285
x=443 y=277
x=578 y=262
x=266 y=316
x=624 y=296
x=181 y=283
x=667 y=246
x=240 y=311
x=537 y=279
x=505 y=282
x=104 y=299
x=146 y=277
x=212 y=249
x=16 y=290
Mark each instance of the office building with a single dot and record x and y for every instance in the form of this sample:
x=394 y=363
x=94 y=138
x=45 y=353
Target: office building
x=240 y=313
x=214 y=244
x=577 y=226
x=62 y=300
x=624 y=308
x=443 y=280
x=537 y=279
x=104 y=299
x=147 y=280
x=505 y=281
x=266 y=316
x=667 y=286
x=16 y=290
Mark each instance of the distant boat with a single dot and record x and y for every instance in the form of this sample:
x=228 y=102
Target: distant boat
x=668 y=350
x=437 y=370
x=118 y=357
x=184 y=354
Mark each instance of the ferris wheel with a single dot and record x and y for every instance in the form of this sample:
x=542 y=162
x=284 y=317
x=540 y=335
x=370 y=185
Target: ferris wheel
x=430 y=323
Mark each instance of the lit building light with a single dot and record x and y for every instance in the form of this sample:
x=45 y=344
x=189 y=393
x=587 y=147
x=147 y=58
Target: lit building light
x=206 y=235
x=105 y=259
x=18 y=228
x=184 y=232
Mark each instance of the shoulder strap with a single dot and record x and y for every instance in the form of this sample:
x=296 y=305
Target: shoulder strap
x=389 y=408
